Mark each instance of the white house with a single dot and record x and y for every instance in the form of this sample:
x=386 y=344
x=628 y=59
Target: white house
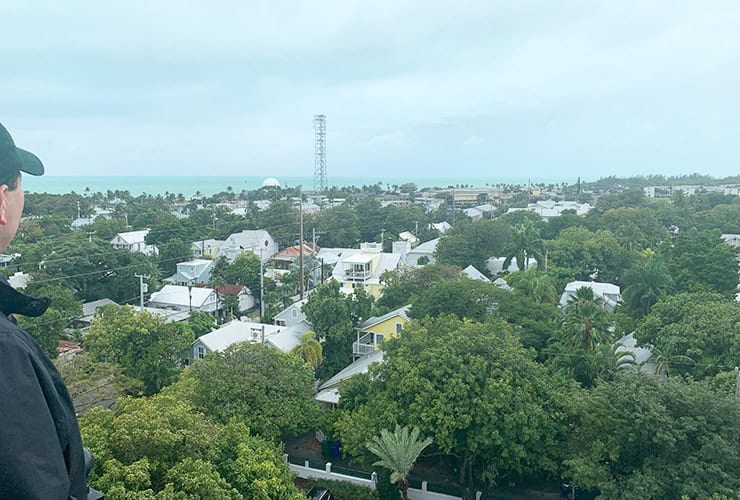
x=133 y=241
x=329 y=391
x=473 y=273
x=190 y=272
x=258 y=241
x=364 y=268
x=732 y=239
x=279 y=337
x=441 y=227
x=426 y=249
x=607 y=292
x=292 y=315
x=182 y=298
x=547 y=209
x=206 y=248
x=409 y=237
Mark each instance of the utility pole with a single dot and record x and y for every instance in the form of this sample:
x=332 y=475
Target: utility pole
x=78 y=209
x=263 y=334
x=737 y=383
x=313 y=240
x=416 y=229
x=301 y=241
x=141 y=277
x=262 y=288
x=382 y=237
x=453 y=206
x=89 y=236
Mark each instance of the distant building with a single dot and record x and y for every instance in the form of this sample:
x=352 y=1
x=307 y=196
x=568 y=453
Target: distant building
x=206 y=248
x=364 y=268
x=258 y=241
x=191 y=272
x=609 y=293
x=183 y=298
x=133 y=241
x=278 y=337
x=426 y=249
x=373 y=331
x=547 y=209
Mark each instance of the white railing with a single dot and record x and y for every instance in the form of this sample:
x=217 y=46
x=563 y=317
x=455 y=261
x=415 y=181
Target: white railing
x=361 y=349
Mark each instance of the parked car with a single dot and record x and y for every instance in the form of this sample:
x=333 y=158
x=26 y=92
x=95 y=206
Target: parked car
x=317 y=493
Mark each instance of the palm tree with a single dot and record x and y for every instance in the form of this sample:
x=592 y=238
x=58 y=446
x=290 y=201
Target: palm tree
x=398 y=451
x=664 y=360
x=309 y=350
x=645 y=284
x=585 y=321
x=525 y=244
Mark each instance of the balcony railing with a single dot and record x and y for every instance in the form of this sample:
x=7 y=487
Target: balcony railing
x=352 y=275
x=361 y=349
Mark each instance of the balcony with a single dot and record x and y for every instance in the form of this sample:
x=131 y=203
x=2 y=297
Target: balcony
x=366 y=344
x=357 y=274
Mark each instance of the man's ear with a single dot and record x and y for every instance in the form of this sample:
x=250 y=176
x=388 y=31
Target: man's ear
x=3 y=204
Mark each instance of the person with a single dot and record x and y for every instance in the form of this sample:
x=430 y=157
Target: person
x=41 y=453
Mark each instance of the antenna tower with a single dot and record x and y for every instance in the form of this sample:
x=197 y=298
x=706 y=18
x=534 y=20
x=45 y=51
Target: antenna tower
x=319 y=165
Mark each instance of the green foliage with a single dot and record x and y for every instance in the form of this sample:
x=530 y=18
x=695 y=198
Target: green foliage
x=473 y=389
x=635 y=228
x=245 y=270
x=145 y=346
x=701 y=261
x=346 y=491
x=48 y=328
x=636 y=437
x=646 y=282
x=160 y=448
x=585 y=321
x=473 y=243
x=702 y=327
x=309 y=350
x=464 y=298
x=330 y=313
x=201 y=323
x=397 y=451
x=402 y=286
x=578 y=252
x=171 y=252
x=524 y=244
x=270 y=391
x=534 y=284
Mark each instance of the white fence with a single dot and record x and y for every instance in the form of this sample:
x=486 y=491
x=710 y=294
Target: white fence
x=307 y=472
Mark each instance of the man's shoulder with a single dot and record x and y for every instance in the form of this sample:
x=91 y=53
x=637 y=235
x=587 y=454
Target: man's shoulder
x=13 y=338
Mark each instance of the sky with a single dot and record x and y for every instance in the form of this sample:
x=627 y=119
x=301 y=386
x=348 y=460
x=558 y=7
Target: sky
x=537 y=89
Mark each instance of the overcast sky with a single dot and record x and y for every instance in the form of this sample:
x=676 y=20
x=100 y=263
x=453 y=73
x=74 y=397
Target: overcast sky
x=549 y=88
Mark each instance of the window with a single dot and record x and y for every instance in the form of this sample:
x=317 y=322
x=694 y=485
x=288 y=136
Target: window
x=379 y=338
x=201 y=352
x=399 y=326
x=294 y=312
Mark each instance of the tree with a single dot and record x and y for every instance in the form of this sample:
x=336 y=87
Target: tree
x=473 y=243
x=473 y=389
x=701 y=261
x=49 y=328
x=636 y=437
x=525 y=243
x=201 y=323
x=585 y=321
x=173 y=251
x=398 y=452
x=700 y=326
x=402 y=286
x=309 y=350
x=535 y=284
x=159 y=447
x=272 y=392
x=245 y=270
x=646 y=283
x=635 y=228
x=145 y=346
x=466 y=298
x=330 y=313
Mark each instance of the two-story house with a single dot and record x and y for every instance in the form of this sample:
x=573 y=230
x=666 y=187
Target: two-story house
x=191 y=272
x=206 y=248
x=133 y=241
x=258 y=241
x=373 y=331
x=364 y=268
x=183 y=298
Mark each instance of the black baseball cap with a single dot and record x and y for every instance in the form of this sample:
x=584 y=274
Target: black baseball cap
x=13 y=158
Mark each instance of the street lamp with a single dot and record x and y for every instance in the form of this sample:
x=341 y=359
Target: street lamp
x=190 y=294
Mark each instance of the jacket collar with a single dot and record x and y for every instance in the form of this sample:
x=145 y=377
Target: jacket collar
x=14 y=302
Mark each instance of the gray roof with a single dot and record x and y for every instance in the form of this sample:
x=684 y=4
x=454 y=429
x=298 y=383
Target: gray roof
x=280 y=337
x=401 y=311
x=426 y=247
x=357 y=367
x=89 y=308
x=473 y=273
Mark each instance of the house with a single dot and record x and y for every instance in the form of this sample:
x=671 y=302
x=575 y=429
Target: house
x=364 y=268
x=191 y=272
x=732 y=239
x=291 y=315
x=426 y=249
x=607 y=292
x=502 y=284
x=409 y=237
x=284 y=259
x=495 y=265
x=473 y=273
x=246 y=298
x=440 y=227
x=258 y=241
x=547 y=209
x=20 y=280
x=82 y=221
x=372 y=331
x=90 y=308
x=133 y=241
x=183 y=298
x=328 y=393
x=279 y=337
x=168 y=315
x=206 y=248
x=480 y=212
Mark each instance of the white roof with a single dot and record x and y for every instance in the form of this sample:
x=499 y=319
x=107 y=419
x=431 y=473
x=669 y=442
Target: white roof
x=20 y=280
x=280 y=337
x=89 y=308
x=501 y=283
x=495 y=265
x=598 y=288
x=426 y=247
x=251 y=238
x=167 y=314
x=177 y=295
x=330 y=395
x=132 y=237
x=360 y=258
x=473 y=273
x=357 y=367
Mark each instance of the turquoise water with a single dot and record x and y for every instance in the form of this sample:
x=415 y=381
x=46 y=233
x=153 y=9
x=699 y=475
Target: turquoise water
x=188 y=186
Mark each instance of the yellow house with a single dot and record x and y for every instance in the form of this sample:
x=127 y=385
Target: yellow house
x=372 y=332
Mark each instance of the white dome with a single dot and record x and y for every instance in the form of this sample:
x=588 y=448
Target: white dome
x=271 y=182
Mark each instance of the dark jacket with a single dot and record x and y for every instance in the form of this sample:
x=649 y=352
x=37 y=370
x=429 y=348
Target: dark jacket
x=41 y=453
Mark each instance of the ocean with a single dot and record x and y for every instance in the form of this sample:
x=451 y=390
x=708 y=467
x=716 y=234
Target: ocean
x=188 y=186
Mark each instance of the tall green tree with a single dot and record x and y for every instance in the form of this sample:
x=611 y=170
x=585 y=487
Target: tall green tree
x=309 y=350
x=585 y=321
x=397 y=451
x=49 y=328
x=646 y=283
x=524 y=244
x=272 y=392
x=145 y=346
x=473 y=243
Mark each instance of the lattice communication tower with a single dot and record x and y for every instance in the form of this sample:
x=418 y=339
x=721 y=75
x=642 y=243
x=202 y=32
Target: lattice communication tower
x=319 y=165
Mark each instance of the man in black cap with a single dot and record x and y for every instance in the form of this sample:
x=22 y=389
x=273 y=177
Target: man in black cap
x=41 y=454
